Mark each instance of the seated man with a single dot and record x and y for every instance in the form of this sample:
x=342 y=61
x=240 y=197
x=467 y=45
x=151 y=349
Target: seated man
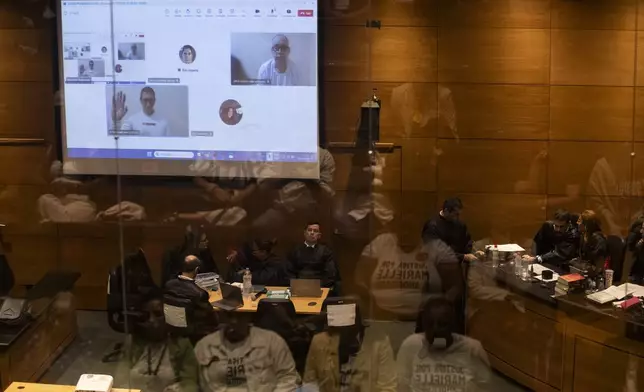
x=184 y=286
x=313 y=260
x=557 y=240
x=240 y=357
x=266 y=267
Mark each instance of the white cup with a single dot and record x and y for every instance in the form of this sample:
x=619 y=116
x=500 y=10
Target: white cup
x=609 y=277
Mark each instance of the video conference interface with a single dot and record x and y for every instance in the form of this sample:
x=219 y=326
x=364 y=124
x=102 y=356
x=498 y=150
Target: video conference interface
x=184 y=80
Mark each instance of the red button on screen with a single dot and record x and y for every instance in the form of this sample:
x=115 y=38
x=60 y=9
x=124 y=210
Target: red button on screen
x=307 y=13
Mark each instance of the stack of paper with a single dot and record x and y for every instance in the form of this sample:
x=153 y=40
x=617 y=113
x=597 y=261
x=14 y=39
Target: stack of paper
x=507 y=248
x=613 y=293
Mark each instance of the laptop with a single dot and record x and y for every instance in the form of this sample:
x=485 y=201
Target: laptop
x=231 y=297
x=306 y=288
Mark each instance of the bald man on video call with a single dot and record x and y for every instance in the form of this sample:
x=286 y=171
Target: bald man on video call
x=280 y=70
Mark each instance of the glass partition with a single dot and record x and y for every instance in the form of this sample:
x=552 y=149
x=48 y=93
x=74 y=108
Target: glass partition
x=335 y=195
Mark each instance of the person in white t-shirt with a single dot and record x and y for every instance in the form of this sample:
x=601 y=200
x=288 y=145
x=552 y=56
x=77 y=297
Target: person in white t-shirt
x=280 y=70
x=403 y=279
x=438 y=359
x=147 y=122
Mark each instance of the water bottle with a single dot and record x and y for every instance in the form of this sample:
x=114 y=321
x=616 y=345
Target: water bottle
x=247 y=285
x=518 y=264
x=495 y=256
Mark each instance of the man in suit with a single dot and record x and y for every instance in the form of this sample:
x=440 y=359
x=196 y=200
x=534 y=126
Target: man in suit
x=184 y=287
x=312 y=260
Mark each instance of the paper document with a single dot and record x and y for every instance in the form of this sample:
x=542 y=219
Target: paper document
x=538 y=269
x=341 y=315
x=613 y=293
x=601 y=297
x=508 y=248
x=635 y=289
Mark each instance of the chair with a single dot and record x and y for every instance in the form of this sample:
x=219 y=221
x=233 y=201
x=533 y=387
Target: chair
x=617 y=253
x=180 y=317
x=126 y=303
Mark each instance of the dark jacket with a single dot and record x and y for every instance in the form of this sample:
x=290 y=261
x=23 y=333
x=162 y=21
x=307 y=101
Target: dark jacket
x=556 y=248
x=594 y=250
x=173 y=258
x=269 y=272
x=634 y=236
x=317 y=262
x=454 y=234
x=205 y=317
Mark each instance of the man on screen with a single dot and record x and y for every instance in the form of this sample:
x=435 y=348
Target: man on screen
x=147 y=122
x=133 y=54
x=279 y=70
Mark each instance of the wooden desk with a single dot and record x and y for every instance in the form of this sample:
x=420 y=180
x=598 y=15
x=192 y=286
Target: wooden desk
x=33 y=387
x=31 y=354
x=566 y=344
x=301 y=303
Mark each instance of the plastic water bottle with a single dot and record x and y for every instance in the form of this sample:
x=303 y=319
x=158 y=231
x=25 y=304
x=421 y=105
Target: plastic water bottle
x=247 y=285
x=495 y=256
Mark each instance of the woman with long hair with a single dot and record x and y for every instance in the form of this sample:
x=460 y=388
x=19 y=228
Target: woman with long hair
x=593 y=248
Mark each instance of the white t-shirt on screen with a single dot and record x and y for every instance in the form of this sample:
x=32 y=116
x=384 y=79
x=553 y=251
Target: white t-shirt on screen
x=290 y=77
x=152 y=125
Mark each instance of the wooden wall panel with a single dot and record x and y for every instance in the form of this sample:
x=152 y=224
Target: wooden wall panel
x=579 y=57
x=346 y=53
x=24 y=165
x=408 y=109
x=500 y=111
x=502 y=217
x=391 y=174
x=499 y=13
x=26 y=55
x=601 y=368
x=494 y=56
x=393 y=60
x=389 y=12
x=598 y=168
x=594 y=14
x=640 y=55
x=23 y=15
x=591 y=113
x=416 y=209
x=639 y=115
x=19 y=204
x=342 y=102
x=27 y=110
x=411 y=110
x=30 y=257
x=491 y=166
x=637 y=184
x=419 y=162
x=405 y=13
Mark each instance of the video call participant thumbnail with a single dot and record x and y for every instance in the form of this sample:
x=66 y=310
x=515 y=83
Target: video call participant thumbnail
x=280 y=70
x=230 y=112
x=147 y=122
x=188 y=54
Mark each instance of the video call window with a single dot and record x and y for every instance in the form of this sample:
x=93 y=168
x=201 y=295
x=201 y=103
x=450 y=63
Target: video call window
x=273 y=59
x=91 y=68
x=151 y=111
x=131 y=51
x=75 y=50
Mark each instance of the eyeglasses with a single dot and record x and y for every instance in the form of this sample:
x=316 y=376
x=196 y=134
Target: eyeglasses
x=281 y=48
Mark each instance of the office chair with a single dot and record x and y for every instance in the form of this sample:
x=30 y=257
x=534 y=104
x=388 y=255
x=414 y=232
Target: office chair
x=617 y=253
x=126 y=301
